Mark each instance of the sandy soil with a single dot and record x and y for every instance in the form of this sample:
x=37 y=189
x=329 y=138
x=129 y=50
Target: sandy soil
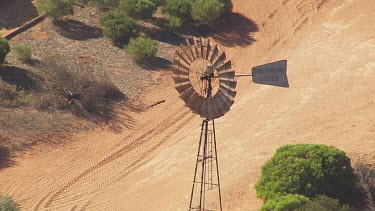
x=331 y=64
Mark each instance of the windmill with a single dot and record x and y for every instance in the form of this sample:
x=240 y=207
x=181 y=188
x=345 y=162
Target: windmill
x=206 y=83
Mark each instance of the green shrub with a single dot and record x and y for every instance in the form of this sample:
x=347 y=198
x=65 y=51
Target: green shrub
x=141 y=49
x=8 y=204
x=228 y=6
x=324 y=203
x=139 y=9
x=286 y=202
x=4 y=49
x=104 y=4
x=159 y=2
x=309 y=170
x=118 y=26
x=55 y=8
x=23 y=52
x=206 y=11
x=179 y=8
x=172 y=23
x=10 y=96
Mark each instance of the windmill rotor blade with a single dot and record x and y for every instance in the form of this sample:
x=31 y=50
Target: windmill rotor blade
x=180 y=64
x=179 y=71
x=182 y=87
x=224 y=101
x=185 y=52
x=220 y=60
x=203 y=53
x=182 y=57
x=196 y=47
x=227 y=92
x=190 y=48
x=178 y=79
x=214 y=54
x=186 y=94
x=228 y=83
x=226 y=66
x=208 y=49
x=227 y=74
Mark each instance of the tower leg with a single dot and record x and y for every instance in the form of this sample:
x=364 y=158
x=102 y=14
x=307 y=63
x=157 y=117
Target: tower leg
x=205 y=175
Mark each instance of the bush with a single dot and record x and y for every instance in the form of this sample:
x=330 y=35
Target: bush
x=308 y=170
x=172 y=23
x=139 y=9
x=159 y=2
x=324 y=203
x=75 y=86
x=10 y=96
x=206 y=11
x=8 y=204
x=228 y=6
x=286 y=202
x=23 y=52
x=4 y=49
x=179 y=8
x=104 y=4
x=141 y=49
x=55 y=8
x=118 y=26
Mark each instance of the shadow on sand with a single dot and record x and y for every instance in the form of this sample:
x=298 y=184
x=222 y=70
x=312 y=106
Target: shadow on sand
x=18 y=76
x=77 y=30
x=14 y=13
x=5 y=160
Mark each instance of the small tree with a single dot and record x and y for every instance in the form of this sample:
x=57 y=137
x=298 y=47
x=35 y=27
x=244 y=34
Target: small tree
x=55 y=8
x=23 y=52
x=172 y=23
x=286 y=202
x=179 y=8
x=4 y=49
x=139 y=9
x=308 y=170
x=141 y=49
x=206 y=11
x=324 y=203
x=228 y=6
x=104 y=4
x=8 y=204
x=118 y=26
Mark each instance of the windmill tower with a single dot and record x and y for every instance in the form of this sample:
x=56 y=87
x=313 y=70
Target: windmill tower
x=206 y=84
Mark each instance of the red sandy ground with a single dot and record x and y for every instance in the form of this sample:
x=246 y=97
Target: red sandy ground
x=329 y=46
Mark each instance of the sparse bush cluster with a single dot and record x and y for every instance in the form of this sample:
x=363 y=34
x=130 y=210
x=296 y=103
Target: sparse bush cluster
x=88 y=94
x=23 y=52
x=141 y=48
x=4 y=49
x=307 y=170
x=8 y=204
x=10 y=96
x=55 y=8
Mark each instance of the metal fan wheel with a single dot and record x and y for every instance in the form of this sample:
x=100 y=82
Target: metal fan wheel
x=197 y=64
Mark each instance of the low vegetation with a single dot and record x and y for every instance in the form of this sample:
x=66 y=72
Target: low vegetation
x=324 y=203
x=118 y=26
x=4 y=49
x=23 y=52
x=104 y=5
x=11 y=96
x=285 y=202
x=142 y=49
x=138 y=9
x=8 y=204
x=55 y=8
x=172 y=23
x=309 y=170
x=207 y=11
x=86 y=93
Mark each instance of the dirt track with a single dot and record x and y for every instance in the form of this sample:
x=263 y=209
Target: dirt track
x=331 y=65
